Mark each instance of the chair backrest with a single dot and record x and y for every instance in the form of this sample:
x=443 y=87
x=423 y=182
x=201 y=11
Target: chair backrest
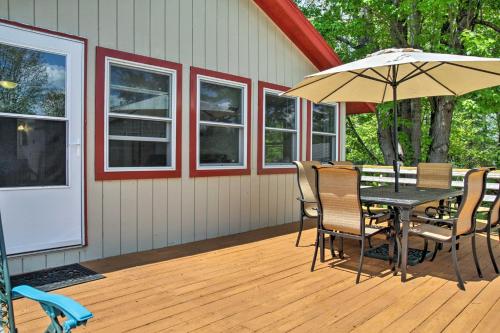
x=434 y=175
x=6 y=308
x=474 y=188
x=345 y=163
x=339 y=198
x=306 y=179
x=494 y=214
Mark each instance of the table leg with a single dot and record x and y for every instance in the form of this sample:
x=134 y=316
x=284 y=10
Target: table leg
x=405 y=220
x=393 y=242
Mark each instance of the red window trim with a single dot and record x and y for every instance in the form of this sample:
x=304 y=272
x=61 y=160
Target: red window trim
x=193 y=133
x=100 y=172
x=84 y=132
x=309 y=131
x=261 y=169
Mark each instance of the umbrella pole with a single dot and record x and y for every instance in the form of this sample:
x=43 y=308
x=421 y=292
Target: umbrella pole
x=395 y=162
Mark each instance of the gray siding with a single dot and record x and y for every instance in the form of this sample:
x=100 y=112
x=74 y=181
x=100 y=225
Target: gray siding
x=232 y=36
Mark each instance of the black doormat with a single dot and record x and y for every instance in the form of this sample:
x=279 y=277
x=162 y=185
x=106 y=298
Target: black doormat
x=382 y=252
x=56 y=278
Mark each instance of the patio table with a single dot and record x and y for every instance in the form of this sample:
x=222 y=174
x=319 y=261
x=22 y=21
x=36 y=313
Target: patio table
x=404 y=202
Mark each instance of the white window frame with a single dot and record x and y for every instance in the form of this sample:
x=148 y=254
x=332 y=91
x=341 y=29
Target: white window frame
x=264 y=128
x=171 y=137
x=337 y=114
x=243 y=144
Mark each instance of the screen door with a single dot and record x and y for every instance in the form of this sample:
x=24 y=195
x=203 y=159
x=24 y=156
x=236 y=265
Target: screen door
x=41 y=153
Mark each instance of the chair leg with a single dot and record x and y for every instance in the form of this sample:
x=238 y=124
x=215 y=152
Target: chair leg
x=332 y=249
x=455 y=263
x=301 y=226
x=424 y=251
x=437 y=246
x=490 y=249
x=361 y=257
x=474 y=253
x=322 y=248
x=341 y=248
x=315 y=251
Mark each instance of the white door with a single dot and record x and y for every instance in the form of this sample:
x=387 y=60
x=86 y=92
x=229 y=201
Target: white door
x=41 y=146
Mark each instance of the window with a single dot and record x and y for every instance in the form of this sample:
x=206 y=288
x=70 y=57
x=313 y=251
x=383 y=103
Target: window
x=141 y=114
x=219 y=123
x=279 y=136
x=324 y=132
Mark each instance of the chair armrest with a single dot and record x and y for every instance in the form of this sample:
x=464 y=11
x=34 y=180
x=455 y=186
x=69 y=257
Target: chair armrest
x=435 y=220
x=76 y=313
x=305 y=201
x=441 y=210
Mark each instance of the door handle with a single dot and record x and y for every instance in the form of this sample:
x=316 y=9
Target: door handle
x=77 y=145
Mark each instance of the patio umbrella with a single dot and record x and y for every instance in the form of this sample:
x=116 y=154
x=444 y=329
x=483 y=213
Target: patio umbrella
x=396 y=74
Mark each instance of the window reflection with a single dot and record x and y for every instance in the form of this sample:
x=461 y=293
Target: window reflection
x=280 y=111
x=34 y=82
x=220 y=103
x=220 y=145
x=32 y=152
x=139 y=92
x=323 y=148
x=281 y=147
x=324 y=118
x=280 y=129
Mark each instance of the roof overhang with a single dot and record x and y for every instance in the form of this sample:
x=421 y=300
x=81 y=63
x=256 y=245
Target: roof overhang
x=288 y=17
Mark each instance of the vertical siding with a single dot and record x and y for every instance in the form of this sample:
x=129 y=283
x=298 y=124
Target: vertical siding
x=232 y=36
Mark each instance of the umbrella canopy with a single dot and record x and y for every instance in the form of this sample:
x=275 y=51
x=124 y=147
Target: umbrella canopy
x=415 y=73
x=395 y=74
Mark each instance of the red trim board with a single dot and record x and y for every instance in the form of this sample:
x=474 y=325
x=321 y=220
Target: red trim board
x=193 y=133
x=100 y=172
x=309 y=131
x=261 y=170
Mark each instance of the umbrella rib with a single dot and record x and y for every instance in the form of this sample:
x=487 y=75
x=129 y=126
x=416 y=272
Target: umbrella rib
x=435 y=80
x=472 y=68
x=309 y=83
x=343 y=85
x=379 y=74
x=366 y=76
x=385 y=86
x=409 y=77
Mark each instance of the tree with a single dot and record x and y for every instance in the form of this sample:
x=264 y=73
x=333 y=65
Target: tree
x=356 y=28
x=24 y=67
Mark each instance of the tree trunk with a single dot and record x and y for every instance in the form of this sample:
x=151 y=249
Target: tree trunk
x=384 y=133
x=439 y=132
x=411 y=127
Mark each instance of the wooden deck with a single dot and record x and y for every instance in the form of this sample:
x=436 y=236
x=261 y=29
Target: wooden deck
x=259 y=281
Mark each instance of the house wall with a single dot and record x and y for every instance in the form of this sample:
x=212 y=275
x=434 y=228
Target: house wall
x=232 y=36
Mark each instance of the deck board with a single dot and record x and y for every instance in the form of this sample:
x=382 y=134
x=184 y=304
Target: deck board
x=259 y=281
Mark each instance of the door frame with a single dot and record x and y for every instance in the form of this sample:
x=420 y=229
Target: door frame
x=84 y=125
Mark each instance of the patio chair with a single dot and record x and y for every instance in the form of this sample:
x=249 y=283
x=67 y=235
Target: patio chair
x=373 y=213
x=307 y=187
x=491 y=223
x=339 y=208
x=55 y=306
x=462 y=225
x=433 y=175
